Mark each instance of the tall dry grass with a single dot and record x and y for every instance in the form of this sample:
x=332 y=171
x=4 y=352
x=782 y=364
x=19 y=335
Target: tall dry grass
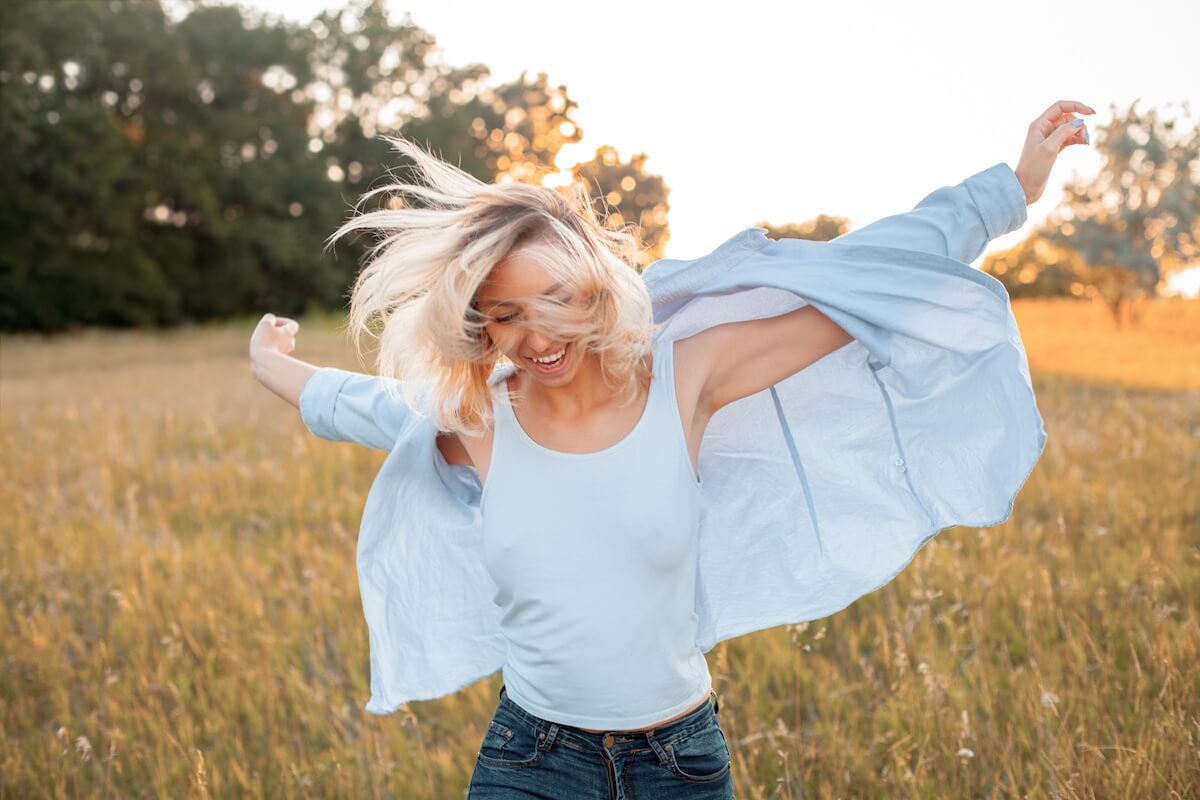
x=182 y=619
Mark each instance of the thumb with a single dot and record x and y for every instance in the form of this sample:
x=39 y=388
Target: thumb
x=1064 y=133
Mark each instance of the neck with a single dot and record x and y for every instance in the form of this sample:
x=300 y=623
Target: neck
x=582 y=395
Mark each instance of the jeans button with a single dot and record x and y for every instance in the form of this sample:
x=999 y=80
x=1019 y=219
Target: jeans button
x=609 y=739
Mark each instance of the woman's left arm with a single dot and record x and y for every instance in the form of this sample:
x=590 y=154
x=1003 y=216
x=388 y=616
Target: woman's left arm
x=739 y=359
x=958 y=221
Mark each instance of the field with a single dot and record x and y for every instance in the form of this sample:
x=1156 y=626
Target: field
x=182 y=618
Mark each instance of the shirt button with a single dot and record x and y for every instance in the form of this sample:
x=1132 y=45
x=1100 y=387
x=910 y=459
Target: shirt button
x=902 y=469
x=609 y=739
x=899 y=462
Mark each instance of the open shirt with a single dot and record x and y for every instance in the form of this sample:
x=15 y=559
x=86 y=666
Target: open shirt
x=814 y=492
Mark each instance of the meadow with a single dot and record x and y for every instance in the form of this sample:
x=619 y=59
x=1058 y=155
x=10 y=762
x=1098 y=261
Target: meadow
x=182 y=617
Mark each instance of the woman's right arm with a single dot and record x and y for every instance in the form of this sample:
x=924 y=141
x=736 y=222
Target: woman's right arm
x=270 y=363
x=335 y=404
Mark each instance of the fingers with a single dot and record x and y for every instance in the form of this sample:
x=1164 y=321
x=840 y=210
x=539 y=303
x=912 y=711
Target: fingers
x=281 y=324
x=1063 y=134
x=1063 y=108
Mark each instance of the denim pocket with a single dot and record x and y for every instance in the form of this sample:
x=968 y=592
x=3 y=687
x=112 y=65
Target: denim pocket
x=510 y=743
x=701 y=756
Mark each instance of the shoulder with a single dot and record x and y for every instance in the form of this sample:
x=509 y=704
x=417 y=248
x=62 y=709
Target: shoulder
x=461 y=448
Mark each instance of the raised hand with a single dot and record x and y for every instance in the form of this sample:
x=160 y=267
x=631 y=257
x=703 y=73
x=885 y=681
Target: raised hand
x=1054 y=129
x=275 y=334
x=271 y=362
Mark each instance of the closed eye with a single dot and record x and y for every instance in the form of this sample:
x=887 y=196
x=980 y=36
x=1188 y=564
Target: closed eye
x=561 y=300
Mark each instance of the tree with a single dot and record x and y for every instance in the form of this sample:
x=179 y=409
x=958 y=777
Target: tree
x=1134 y=224
x=161 y=168
x=822 y=229
x=371 y=77
x=626 y=192
x=153 y=173
x=1038 y=267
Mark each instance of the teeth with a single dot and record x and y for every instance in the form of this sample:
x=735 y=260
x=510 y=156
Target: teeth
x=551 y=359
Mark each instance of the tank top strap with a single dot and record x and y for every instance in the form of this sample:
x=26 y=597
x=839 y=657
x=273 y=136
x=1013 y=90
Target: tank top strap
x=661 y=403
x=505 y=420
x=668 y=416
x=664 y=359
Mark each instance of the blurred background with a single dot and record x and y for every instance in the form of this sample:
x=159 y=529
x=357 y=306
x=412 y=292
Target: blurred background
x=176 y=161
x=177 y=557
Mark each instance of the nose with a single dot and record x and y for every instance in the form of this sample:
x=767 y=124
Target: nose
x=538 y=341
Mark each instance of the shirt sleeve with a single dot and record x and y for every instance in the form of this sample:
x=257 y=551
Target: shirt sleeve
x=344 y=406
x=956 y=221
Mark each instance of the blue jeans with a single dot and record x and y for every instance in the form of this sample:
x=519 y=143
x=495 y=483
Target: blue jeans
x=525 y=756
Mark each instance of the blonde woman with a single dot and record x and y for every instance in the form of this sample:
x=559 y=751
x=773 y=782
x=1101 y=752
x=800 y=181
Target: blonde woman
x=595 y=476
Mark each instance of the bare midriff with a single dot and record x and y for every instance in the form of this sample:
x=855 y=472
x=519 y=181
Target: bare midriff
x=660 y=723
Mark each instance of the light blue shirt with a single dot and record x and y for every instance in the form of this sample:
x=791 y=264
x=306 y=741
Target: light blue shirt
x=815 y=491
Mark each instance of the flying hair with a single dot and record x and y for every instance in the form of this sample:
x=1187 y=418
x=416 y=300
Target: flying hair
x=416 y=292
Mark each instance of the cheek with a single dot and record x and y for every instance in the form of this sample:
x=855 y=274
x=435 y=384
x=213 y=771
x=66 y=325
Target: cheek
x=505 y=338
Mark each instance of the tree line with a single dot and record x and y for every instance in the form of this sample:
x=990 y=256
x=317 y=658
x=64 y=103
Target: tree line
x=162 y=170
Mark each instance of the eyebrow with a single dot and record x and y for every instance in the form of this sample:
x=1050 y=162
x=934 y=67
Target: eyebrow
x=494 y=304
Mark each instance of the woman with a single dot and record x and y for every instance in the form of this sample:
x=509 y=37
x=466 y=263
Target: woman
x=547 y=507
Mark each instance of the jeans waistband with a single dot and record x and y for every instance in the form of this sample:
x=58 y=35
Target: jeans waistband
x=668 y=730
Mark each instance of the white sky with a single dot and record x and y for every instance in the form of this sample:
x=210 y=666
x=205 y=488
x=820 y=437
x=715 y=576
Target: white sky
x=854 y=108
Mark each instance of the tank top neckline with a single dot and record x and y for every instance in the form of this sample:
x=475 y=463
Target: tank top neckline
x=525 y=437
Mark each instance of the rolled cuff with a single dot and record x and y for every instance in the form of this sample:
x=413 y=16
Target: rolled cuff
x=1000 y=199
x=318 y=400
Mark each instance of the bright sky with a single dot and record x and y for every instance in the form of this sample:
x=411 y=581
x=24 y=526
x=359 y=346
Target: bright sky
x=782 y=111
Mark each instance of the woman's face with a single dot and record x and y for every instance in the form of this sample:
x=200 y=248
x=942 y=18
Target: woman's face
x=512 y=327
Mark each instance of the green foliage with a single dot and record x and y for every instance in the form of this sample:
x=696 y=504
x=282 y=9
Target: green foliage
x=1117 y=237
x=162 y=171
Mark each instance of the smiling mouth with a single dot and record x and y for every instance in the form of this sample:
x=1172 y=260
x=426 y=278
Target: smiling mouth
x=554 y=365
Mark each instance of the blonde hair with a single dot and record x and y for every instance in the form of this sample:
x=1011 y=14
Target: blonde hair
x=429 y=261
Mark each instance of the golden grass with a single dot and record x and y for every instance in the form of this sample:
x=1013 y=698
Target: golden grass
x=182 y=614
x=1077 y=338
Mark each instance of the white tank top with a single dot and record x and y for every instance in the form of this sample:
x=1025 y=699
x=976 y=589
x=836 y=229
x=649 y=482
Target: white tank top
x=594 y=555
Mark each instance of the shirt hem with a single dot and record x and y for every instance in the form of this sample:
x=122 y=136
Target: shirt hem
x=614 y=724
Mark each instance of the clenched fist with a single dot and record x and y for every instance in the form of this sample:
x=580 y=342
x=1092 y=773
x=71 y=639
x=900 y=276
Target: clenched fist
x=274 y=334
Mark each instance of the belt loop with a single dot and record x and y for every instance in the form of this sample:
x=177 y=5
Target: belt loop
x=547 y=739
x=663 y=756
